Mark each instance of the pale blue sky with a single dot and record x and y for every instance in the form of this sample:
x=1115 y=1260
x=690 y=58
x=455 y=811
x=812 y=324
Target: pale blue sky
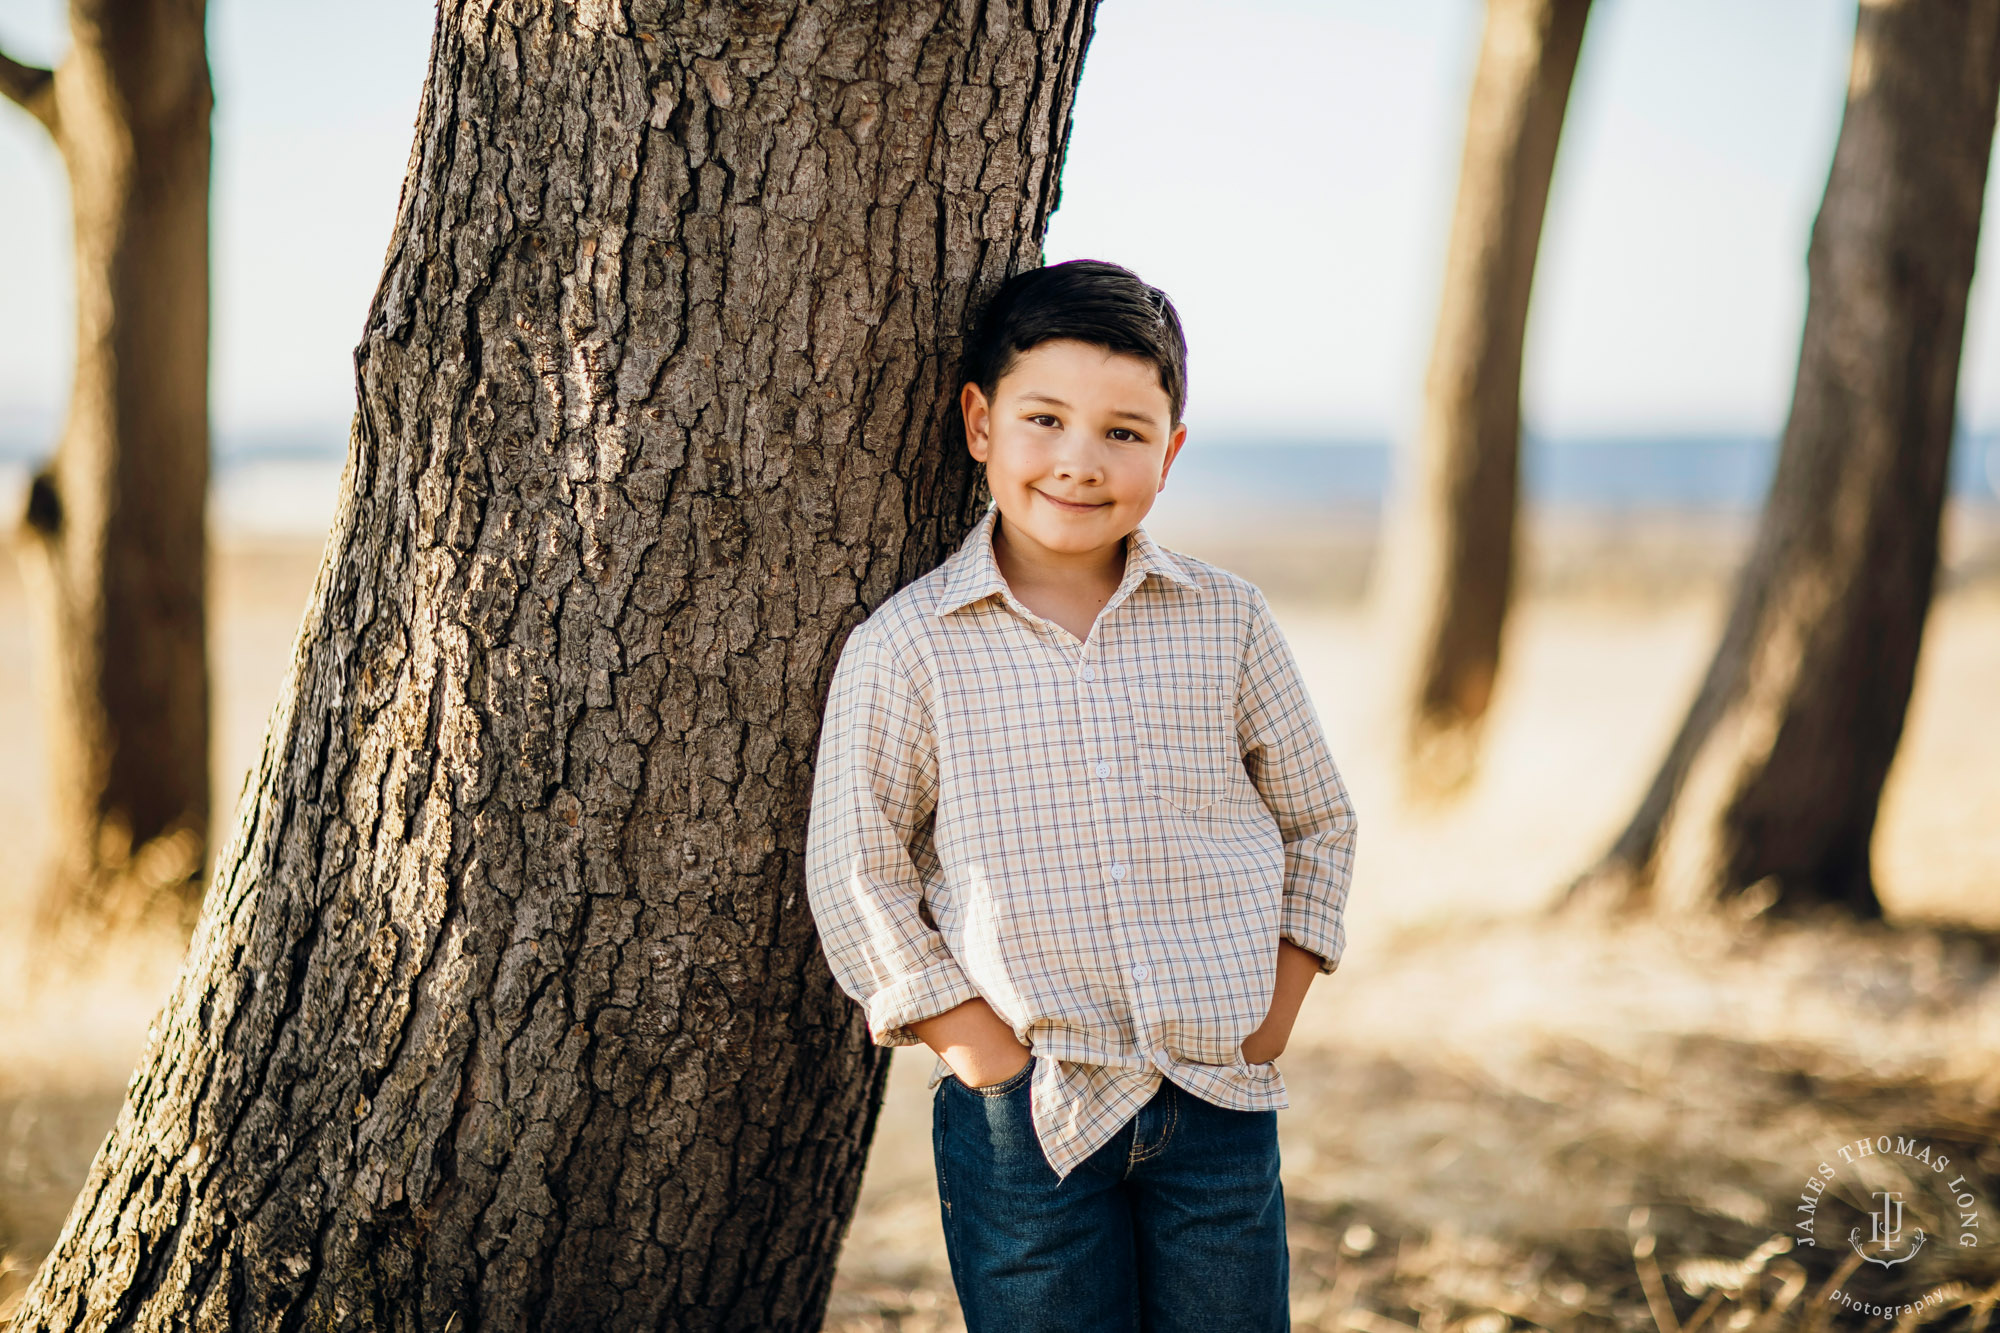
x=1284 y=170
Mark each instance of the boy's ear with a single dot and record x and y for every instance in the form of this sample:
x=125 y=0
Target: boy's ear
x=972 y=405
x=1174 y=443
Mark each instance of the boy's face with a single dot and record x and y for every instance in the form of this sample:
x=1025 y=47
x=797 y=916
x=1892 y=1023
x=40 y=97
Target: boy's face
x=1077 y=442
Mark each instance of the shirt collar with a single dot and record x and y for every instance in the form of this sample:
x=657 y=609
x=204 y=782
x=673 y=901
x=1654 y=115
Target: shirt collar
x=973 y=573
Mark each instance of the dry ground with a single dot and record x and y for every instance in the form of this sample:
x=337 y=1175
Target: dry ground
x=1491 y=1112
x=1485 y=1121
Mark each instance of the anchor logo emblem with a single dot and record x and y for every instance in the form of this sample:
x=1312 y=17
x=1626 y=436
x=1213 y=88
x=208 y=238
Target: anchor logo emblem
x=1885 y=1232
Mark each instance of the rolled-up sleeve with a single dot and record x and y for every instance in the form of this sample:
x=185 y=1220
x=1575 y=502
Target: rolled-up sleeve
x=1286 y=755
x=874 y=800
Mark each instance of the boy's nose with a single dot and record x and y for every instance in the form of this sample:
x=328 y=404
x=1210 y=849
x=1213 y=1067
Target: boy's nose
x=1075 y=465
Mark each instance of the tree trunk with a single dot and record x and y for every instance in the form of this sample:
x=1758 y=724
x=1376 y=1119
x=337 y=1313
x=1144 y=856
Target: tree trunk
x=1449 y=571
x=1776 y=774
x=506 y=1010
x=113 y=532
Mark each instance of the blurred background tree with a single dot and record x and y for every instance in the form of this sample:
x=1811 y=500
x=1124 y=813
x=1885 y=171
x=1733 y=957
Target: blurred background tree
x=1774 y=780
x=113 y=532
x=1448 y=570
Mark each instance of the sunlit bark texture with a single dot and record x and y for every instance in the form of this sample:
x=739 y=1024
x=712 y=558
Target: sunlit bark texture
x=505 y=1010
x=1450 y=559
x=113 y=531
x=1774 y=779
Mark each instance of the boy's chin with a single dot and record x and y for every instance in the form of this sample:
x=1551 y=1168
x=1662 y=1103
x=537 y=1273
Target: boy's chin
x=1076 y=537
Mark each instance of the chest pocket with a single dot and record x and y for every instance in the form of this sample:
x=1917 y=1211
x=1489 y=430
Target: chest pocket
x=1186 y=737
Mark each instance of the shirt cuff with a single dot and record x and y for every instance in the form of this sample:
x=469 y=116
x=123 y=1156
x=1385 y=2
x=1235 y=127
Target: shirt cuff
x=923 y=994
x=1314 y=928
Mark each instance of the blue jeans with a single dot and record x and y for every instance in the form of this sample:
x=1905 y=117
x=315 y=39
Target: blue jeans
x=1177 y=1223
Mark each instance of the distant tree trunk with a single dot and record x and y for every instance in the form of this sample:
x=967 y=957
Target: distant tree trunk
x=1449 y=565
x=506 y=1010
x=114 y=524
x=1775 y=777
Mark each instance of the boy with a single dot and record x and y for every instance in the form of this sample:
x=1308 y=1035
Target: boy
x=1075 y=827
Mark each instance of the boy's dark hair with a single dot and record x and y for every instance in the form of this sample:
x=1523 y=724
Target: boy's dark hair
x=1087 y=300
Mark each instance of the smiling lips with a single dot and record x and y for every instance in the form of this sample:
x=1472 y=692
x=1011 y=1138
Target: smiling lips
x=1070 y=505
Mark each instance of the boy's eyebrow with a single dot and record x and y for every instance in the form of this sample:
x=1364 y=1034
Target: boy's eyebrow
x=1033 y=397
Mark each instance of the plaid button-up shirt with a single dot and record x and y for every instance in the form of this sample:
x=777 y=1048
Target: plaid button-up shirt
x=1104 y=839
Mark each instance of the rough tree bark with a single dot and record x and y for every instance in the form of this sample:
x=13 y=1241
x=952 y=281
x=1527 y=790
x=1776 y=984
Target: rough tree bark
x=1448 y=569
x=505 y=1009
x=1775 y=777
x=114 y=528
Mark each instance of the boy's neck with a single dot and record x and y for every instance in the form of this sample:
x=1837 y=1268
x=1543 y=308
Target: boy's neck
x=1031 y=568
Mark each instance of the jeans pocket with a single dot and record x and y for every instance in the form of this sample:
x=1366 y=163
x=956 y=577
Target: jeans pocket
x=1186 y=736
x=1017 y=1079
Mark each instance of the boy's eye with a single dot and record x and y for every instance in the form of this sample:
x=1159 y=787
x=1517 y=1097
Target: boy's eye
x=1120 y=433
x=1044 y=419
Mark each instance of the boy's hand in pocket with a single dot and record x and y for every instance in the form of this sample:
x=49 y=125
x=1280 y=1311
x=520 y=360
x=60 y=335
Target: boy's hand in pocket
x=1296 y=969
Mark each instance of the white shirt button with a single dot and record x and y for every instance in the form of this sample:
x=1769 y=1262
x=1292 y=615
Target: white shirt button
x=1118 y=870
x=1090 y=673
x=1104 y=770
x=1139 y=972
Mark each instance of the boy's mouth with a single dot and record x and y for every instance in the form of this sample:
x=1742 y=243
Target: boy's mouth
x=1072 y=506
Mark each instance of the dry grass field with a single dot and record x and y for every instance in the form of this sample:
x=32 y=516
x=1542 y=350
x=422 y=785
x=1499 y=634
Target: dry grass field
x=1499 y=1121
